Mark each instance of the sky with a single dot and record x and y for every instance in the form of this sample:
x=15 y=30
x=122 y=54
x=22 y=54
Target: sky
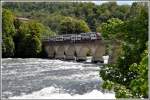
x=118 y=2
x=97 y=2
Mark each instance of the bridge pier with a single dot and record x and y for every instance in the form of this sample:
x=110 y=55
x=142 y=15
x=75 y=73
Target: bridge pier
x=50 y=51
x=60 y=49
x=81 y=58
x=60 y=57
x=99 y=53
x=70 y=57
x=95 y=60
x=70 y=52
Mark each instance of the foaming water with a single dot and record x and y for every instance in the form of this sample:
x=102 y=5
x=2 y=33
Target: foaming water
x=45 y=78
x=53 y=93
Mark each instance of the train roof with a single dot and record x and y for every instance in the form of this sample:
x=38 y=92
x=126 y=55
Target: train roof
x=76 y=34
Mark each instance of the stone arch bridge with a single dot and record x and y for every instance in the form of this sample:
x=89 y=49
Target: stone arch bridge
x=76 y=50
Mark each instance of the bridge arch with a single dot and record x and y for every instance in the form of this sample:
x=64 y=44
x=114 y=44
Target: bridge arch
x=50 y=50
x=70 y=52
x=83 y=52
x=60 y=51
x=99 y=53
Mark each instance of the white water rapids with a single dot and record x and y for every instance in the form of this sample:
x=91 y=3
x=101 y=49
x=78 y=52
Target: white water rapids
x=34 y=78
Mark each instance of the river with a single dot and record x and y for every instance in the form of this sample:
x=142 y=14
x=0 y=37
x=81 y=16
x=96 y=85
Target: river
x=35 y=78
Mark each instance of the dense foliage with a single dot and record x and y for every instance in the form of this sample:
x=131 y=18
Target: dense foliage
x=28 y=38
x=111 y=28
x=129 y=75
x=20 y=39
x=8 y=34
x=8 y=47
x=51 y=13
x=70 y=25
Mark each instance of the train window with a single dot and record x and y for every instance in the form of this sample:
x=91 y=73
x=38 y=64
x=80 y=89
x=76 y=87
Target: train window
x=78 y=37
x=73 y=37
x=93 y=36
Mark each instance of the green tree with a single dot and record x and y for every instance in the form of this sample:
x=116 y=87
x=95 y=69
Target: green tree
x=35 y=29
x=22 y=32
x=112 y=33
x=8 y=47
x=8 y=28
x=70 y=25
x=139 y=85
x=128 y=75
x=111 y=29
x=134 y=11
x=28 y=39
x=31 y=46
x=53 y=21
x=8 y=31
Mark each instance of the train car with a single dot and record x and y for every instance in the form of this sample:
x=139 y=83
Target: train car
x=73 y=37
x=85 y=36
x=78 y=37
x=53 y=39
x=50 y=39
x=67 y=37
x=98 y=35
x=59 y=38
x=93 y=36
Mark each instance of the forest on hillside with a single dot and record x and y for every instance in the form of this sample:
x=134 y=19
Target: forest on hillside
x=52 y=18
x=124 y=26
x=51 y=13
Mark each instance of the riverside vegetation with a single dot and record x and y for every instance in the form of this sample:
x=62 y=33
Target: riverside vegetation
x=125 y=26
